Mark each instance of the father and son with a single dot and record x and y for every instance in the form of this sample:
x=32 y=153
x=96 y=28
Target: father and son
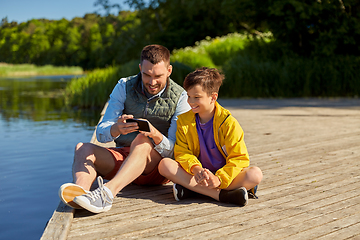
x=188 y=125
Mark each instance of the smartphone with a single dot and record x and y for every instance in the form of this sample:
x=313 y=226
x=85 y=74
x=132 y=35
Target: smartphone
x=143 y=124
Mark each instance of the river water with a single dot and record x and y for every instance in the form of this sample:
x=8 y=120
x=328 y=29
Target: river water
x=38 y=136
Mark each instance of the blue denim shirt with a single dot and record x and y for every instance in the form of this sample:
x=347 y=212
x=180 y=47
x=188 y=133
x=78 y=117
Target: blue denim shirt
x=115 y=110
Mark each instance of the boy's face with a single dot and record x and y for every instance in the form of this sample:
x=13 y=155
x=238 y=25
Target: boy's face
x=200 y=102
x=154 y=76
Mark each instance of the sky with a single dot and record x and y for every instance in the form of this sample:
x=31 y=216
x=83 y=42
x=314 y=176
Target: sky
x=24 y=10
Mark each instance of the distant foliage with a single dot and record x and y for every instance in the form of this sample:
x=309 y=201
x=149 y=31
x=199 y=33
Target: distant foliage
x=94 y=89
x=31 y=70
x=253 y=67
x=90 y=42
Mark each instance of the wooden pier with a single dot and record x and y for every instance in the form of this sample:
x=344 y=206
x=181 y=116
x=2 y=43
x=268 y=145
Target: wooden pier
x=309 y=151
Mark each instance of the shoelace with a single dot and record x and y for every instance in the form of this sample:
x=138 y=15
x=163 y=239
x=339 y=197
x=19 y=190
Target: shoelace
x=100 y=192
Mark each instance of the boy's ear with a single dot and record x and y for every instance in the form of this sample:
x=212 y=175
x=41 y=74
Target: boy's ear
x=214 y=97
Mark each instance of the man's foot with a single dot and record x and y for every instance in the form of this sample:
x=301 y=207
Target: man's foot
x=252 y=192
x=68 y=192
x=237 y=196
x=99 y=200
x=181 y=192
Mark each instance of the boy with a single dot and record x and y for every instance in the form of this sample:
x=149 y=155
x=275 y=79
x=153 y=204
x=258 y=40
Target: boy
x=210 y=152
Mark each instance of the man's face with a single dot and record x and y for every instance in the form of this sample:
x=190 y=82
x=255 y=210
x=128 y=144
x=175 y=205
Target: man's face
x=154 y=76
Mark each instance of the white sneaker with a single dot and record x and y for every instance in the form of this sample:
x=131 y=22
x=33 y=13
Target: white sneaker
x=97 y=201
x=68 y=192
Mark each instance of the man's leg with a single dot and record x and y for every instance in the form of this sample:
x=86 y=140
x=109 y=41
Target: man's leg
x=142 y=159
x=88 y=160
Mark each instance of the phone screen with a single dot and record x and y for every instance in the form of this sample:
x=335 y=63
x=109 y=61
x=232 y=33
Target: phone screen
x=143 y=124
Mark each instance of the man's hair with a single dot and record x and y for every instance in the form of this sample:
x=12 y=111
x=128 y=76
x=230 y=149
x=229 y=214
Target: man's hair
x=155 y=54
x=210 y=79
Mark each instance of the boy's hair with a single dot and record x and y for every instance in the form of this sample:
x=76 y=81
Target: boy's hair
x=210 y=79
x=155 y=54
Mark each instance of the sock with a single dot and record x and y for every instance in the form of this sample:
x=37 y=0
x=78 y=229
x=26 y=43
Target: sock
x=238 y=196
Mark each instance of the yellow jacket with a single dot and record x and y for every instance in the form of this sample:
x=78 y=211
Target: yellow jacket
x=229 y=139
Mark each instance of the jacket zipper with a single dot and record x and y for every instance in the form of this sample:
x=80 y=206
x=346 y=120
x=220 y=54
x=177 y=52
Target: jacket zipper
x=219 y=135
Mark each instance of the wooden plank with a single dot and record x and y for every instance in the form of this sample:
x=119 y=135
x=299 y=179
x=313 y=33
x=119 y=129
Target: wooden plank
x=308 y=151
x=59 y=224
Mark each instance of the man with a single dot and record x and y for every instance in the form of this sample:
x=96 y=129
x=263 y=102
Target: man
x=151 y=95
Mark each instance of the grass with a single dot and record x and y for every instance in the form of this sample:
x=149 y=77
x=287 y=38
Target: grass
x=15 y=70
x=253 y=66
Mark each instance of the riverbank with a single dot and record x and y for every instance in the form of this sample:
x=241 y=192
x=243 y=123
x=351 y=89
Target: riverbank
x=21 y=70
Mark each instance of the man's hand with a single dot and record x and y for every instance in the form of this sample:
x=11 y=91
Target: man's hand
x=122 y=127
x=205 y=177
x=154 y=134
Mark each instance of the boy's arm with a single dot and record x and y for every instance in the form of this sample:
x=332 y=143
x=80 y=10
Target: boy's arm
x=237 y=154
x=182 y=153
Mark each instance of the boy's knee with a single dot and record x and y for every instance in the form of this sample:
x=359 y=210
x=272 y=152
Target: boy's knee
x=256 y=174
x=164 y=166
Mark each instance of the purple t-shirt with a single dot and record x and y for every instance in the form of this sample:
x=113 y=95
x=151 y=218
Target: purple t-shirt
x=210 y=157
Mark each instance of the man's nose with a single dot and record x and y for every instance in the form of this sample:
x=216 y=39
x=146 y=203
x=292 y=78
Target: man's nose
x=152 y=81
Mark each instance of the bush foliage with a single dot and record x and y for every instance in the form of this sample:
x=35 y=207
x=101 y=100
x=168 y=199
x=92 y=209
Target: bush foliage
x=253 y=67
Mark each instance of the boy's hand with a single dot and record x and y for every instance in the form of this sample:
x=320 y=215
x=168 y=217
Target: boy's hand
x=212 y=181
x=205 y=177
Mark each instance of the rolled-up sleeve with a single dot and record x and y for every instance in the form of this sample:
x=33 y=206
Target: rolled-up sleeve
x=166 y=147
x=112 y=113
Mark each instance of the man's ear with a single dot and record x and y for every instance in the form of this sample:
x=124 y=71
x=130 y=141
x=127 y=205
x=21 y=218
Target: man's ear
x=140 y=66
x=170 y=70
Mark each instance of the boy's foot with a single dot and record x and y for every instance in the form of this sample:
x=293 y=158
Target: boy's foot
x=181 y=192
x=252 y=192
x=237 y=196
x=68 y=192
x=99 y=200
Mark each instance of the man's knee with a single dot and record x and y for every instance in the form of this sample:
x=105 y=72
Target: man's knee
x=142 y=141
x=83 y=149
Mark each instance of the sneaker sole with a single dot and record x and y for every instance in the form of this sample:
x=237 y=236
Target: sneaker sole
x=246 y=195
x=175 y=192
x=68 y=192
x=84 y=203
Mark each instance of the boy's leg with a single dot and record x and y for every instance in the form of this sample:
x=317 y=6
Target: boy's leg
x=173 y=171
x=248 y=178
x=170 y=169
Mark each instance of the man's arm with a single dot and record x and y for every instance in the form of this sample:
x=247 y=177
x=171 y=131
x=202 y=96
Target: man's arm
x=166 y=146
x=112 y=114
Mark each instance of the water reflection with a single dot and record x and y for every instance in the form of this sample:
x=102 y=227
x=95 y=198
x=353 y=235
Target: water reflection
x=40 y=99
x=38 y=138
